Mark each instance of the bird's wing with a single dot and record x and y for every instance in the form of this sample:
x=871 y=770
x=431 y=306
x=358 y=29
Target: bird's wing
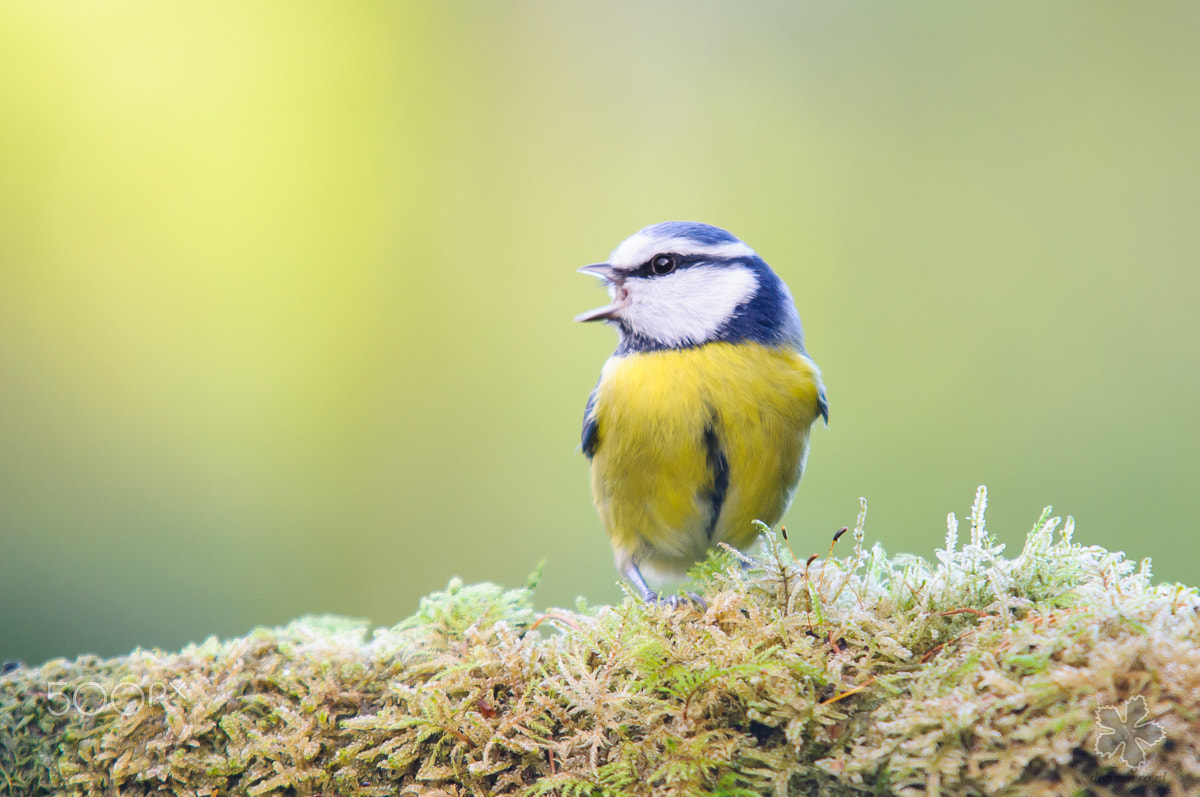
x=591 y=428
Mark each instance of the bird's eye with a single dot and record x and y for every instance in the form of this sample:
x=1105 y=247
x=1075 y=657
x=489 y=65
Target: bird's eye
x=662 y=264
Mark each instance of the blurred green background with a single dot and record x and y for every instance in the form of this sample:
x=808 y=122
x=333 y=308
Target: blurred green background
x=286 y=289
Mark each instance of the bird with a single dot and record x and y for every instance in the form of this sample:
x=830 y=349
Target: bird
x=700 y=421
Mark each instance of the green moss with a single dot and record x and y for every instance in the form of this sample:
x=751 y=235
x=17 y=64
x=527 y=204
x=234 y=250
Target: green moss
x=972 y=674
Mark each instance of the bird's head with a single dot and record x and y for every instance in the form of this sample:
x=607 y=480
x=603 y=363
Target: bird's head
x=681 y=283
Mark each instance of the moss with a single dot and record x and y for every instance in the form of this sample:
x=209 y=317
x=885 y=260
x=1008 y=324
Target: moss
x=972 y=674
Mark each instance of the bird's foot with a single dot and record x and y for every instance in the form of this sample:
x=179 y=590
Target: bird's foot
x=652 y=598
x=674 y=601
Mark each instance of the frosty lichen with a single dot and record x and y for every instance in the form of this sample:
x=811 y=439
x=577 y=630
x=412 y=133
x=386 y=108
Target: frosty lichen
x=972 y=674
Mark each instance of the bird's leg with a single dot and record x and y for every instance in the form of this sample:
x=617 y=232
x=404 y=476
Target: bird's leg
x=651 y=597
x=635 y=575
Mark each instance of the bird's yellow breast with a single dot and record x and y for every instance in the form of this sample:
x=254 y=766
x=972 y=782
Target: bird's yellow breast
x=694 y=444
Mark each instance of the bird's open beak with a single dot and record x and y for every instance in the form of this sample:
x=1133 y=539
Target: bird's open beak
x=616 y=288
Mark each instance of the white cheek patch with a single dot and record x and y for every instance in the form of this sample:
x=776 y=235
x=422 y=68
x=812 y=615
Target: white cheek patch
x=641 y=246
x=688 y=306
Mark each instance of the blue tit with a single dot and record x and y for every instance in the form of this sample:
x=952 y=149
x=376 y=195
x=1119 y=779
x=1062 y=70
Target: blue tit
x=700 y=421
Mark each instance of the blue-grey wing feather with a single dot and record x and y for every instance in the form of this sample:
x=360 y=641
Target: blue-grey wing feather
x=591 y=428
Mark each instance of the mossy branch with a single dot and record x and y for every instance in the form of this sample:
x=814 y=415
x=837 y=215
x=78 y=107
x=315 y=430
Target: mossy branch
x=1064 y=670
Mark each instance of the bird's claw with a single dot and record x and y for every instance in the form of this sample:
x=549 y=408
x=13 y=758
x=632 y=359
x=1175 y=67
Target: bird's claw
x=675 y=601
x=652 y=598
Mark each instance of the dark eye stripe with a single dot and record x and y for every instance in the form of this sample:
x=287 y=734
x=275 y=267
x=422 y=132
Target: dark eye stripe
x=664 y=263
